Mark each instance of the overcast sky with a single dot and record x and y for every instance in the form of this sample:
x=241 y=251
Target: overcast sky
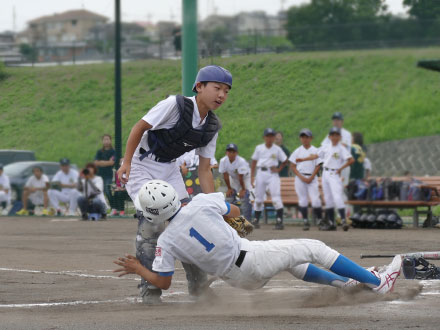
x=142 y=10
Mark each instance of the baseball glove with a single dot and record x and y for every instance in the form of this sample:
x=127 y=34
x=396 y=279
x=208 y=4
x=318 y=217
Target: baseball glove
x=241 y=225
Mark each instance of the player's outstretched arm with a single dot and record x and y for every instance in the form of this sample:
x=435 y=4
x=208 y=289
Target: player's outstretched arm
x=133 y=141
x=131 y=265
x=311 y=157
x=347 y=164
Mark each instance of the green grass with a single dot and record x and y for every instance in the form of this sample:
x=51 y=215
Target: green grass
x=63 y=111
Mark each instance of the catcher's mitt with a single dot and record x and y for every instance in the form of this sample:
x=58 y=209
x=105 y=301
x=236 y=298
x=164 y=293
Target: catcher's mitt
x=241 y=225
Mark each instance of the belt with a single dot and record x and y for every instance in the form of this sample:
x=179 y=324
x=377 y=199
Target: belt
x=305 y=173
x=144 y=153
x=240 y=258
x=263 y=168
x=330 y=169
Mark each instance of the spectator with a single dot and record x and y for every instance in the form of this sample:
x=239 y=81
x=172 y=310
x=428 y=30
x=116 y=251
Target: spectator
x=35 y=192
x=279 y=142
x=91 y=187
x=120 y=195
x=5 y=191
x=367 y=168
x=104 y=161
x=66 y=180
x=338 y=121
x=357 y=169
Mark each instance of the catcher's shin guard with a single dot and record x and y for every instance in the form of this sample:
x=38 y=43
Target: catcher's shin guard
x=146 y=240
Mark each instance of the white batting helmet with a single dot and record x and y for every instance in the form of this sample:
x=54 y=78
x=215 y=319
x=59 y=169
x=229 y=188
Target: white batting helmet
x=157 y=200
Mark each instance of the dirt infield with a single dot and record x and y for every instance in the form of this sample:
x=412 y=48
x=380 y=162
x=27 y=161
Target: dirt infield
x=56 y=274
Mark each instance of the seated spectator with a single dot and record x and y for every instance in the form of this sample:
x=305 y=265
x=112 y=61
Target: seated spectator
x=35 y=192
x=104 y=161
x=5 y=191
x=64 y=188
x=91 y=187
x=119 y=196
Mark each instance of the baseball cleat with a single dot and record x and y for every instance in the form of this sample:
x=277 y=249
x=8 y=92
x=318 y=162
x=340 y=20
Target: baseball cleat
x=255 y=224
x=388 y=276
x=345 y=225
x=306 y=225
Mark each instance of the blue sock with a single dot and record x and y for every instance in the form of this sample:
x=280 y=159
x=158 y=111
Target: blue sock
x=317 y=275
x=345 y=267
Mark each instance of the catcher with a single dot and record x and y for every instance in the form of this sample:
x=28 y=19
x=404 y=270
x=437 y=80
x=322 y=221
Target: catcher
x=197 y=234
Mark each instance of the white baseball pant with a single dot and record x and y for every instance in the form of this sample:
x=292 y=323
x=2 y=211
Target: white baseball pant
x=306 y=191
x=56 y=196
x=264 y=180
x=333 y=190
x=147 y=169
x=265 y=259
x=5 y=197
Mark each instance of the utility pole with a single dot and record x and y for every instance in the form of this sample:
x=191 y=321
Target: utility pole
x=118 y=101
x=189 y=45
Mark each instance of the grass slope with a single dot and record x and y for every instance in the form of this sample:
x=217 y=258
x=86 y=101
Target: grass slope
x=63 y=111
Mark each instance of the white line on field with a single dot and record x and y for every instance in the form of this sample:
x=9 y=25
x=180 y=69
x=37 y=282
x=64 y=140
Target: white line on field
x=88 y=302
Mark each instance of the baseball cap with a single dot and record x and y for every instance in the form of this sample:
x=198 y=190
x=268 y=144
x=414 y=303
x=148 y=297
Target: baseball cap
x=306 y=132
x=335 y=130
x=269 y=131
x=232 y=146
x=64 y=161
x=338 y=115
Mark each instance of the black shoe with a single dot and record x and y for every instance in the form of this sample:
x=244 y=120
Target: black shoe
x=104 y=216
x=279 y=225
x=85 y=217
x=345 y=226
x=327 y=227
x=306 y=226
x=256 y=224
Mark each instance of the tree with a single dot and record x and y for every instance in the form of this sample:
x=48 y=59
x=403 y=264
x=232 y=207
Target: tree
x=330 y=21
x=28 y=52
x=423 y=9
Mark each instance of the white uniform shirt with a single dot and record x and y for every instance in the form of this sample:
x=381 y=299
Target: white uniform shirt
x=198 y=235
x=334 y=156
x=37 y=197
x=99 y=184
x=4 y=182
x=238 y=166
x=165 y=114
x=345 y=139
x=70 y=178
x=192 y=160
x=307 y=167
x=268 y=157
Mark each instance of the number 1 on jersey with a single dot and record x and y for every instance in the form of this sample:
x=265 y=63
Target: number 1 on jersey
x=194 y=233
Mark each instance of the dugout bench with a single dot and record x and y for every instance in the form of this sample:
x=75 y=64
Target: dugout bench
x=290 y=198
x=419 y=207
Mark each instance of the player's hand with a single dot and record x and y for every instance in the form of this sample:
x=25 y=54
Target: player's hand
x=32 y=190
x=275 y=169
x=253 y=182
x=124 y=172
x=184 y=170
x=130 y=265
x=230 y=192
x=338 y=172
x=242 y=193
x=299 y=160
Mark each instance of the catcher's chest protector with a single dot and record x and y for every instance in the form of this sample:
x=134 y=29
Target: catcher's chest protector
x=169 y=144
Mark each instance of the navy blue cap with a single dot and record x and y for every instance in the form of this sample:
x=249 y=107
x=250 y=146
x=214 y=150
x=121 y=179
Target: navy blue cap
x=232 y=146
x=269 y=131
x=213 y=73
x=64 y=161
x=335 y=130
x=306 y=132
x=338 y=115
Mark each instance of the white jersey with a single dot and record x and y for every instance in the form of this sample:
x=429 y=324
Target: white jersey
x=70 y=178
x=234 y=169
x=307 y=167
x=166 y=114
x=199 y=235
x=334 y=156
x=268 y=157
x=4 y=182
x=345 y=139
